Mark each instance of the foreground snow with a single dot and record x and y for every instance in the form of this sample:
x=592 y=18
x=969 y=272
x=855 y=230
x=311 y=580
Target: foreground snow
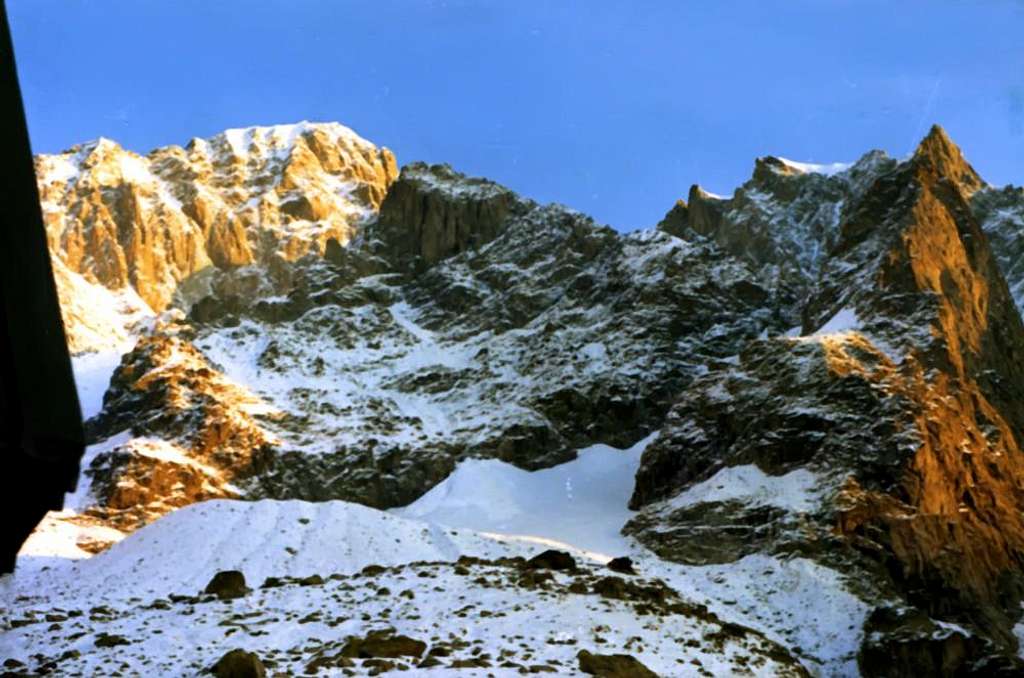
x=144 y=586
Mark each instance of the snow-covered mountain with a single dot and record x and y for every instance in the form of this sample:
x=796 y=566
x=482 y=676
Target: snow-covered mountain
x=811 y=390
x=154 y=227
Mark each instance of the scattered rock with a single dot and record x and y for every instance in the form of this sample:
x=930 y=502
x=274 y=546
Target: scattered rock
x=383 y=644
x=610 y=587
x=111 y=640
x=623 y=565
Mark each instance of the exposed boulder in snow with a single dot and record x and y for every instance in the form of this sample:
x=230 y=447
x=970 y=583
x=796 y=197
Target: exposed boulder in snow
x=239 y=664
x=227 y=584
x=613 y=665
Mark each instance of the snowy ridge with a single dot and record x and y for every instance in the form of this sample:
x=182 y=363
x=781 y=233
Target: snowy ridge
x=828 y=169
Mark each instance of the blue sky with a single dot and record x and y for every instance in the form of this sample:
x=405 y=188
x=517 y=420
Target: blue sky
x=611 y=108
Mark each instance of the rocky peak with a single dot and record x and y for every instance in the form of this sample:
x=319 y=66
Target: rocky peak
x=676 y=220
x=777 y=177
x=433 y=212
x=943 y=157
x=704 y=215
x=245 y=196
x=902 y=399
x=769 y=166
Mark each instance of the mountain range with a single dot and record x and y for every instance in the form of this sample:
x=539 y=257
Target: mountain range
x=798 y=410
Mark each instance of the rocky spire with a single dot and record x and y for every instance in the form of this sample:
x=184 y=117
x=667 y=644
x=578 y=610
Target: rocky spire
x=906 y=393
x=938 y=152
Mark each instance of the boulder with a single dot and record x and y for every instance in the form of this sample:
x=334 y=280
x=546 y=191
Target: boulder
x=551 y=560
x=239 y=664
x=613 y=665
x=227 y=584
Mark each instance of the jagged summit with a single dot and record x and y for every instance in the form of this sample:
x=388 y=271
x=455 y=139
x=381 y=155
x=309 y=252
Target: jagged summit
x=163 y=223
x=945 y=158
x=902 y=398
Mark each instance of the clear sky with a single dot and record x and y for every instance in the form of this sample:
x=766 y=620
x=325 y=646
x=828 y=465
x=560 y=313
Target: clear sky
x=613 y=108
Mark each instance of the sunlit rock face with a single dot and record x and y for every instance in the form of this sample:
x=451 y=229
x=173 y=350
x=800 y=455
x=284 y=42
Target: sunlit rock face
x=903 y=396
x=191 y=433
x=245 y=196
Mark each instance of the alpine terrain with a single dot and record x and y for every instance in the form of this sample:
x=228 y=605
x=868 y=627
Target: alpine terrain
x=349 y=420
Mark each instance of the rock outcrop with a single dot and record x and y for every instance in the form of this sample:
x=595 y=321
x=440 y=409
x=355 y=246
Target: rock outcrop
x=181 y=433
x=433 y=212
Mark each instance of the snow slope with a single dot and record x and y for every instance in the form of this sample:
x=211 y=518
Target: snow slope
x=582 y=502
x=180 y=552
x=485 y=509
x=485 y=618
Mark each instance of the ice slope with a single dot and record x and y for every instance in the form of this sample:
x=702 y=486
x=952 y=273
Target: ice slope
x=582 y=502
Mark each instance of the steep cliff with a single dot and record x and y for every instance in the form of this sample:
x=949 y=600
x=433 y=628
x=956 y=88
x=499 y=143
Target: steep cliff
x=902 y=400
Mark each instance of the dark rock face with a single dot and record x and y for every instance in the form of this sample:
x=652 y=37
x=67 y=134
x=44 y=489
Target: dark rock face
x=905 y=408
x=783 y=221
x=239 y=664
x=1000 y=211
x=533 y=333
x=902 y=642
x=433 y=212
